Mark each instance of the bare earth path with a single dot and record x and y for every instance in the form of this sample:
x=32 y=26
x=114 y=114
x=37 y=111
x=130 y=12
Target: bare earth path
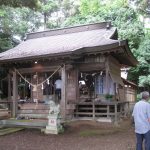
x=81 y=135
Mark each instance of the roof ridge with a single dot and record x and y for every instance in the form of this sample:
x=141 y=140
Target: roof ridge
x=67 y=30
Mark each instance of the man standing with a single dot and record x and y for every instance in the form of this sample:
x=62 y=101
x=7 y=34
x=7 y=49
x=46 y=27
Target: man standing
x=141 y=115
x=58 y=86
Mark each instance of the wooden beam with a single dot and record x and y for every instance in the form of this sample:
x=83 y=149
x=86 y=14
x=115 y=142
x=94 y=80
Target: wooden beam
x=91 y=66
x=34 y=69
x=41 y=68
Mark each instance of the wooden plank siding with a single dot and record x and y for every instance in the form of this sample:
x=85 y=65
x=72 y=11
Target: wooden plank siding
x=130 y=94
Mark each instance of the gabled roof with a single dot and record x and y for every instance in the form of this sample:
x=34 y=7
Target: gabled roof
x=99 y=37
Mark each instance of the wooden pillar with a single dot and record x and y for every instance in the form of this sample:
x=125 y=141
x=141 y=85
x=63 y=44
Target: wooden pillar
x=15 y=95
x=77 y=85
x=107 y=76
x=9 y=86
x=63 y=93
x=9 y=93
x=31 y=91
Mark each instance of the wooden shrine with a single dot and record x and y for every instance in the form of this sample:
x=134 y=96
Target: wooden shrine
x=86 y=58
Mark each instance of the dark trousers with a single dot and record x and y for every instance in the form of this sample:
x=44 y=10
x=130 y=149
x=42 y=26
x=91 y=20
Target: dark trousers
x=58 y=94
x=140 y=138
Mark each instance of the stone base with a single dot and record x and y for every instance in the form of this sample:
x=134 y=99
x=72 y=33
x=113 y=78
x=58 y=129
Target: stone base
x=53 y=130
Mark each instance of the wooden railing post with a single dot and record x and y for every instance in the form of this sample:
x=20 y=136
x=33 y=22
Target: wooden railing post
x=108 y=111
x=116 y=114
x=93 y=106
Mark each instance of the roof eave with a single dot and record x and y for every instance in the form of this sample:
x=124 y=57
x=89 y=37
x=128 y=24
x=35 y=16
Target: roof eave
x=131 y=57
x=32 y=58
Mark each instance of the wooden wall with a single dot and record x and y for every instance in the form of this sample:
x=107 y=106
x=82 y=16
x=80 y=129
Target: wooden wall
x=130 y=94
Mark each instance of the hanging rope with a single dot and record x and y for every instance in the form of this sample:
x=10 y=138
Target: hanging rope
x=24 y=78
x=50 y=76
x=40 y=84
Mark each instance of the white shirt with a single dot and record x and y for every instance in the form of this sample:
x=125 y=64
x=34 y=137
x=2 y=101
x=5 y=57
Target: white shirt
x=58 y=84
x=141 y=113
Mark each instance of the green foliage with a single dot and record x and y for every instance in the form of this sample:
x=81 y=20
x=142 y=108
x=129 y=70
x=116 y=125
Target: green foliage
x=5 y=42
x=69 y=8
x=108 y=96
x=48 y=6
x=144 y=80
x=141 y=6
x=20 y=3
x=46 y=9
x=141 y=73
x=24 y=20
x=143 y=55
x=2 y=13
x=138 y=97
x=126 y=20
x=89 y=7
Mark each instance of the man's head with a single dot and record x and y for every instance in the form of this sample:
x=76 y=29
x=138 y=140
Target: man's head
x=145 y=95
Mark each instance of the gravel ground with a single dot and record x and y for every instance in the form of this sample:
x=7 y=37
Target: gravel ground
x=79 y=135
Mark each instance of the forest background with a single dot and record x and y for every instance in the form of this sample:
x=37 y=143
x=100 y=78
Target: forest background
x=19 y=17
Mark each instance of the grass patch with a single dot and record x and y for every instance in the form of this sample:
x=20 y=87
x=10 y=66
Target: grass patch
x=20 y=120
x=4 y=131
x=99 y=132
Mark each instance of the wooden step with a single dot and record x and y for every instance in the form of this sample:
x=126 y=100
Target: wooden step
x=33 y=111
x=83 y=113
